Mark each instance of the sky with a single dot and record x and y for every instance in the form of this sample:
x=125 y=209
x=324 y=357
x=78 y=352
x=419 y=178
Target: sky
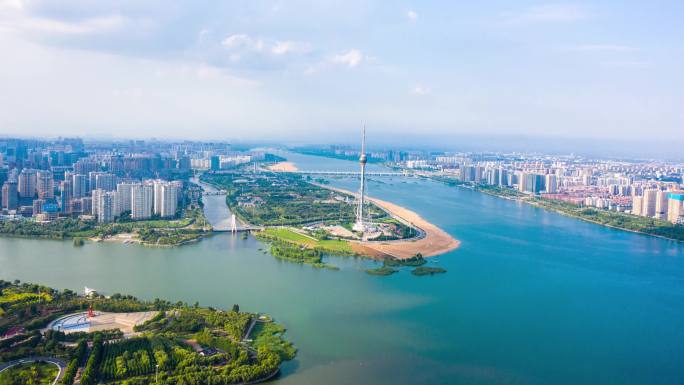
x=315 y=71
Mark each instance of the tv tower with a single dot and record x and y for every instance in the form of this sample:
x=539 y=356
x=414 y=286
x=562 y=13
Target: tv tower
x=360 y=226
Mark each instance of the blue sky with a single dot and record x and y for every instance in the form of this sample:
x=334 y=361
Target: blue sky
x=314 y=70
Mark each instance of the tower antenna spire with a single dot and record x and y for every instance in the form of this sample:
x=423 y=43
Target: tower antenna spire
x=360 y=225
x=363 y=140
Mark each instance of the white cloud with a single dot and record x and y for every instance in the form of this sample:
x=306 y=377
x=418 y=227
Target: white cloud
x=421 y=89
x=550 y=13
x=24 y=23
x=351 y=58
x=242 y=44
x=285 y=47
x=240 y=41
x=412 y=15
x=11 y=4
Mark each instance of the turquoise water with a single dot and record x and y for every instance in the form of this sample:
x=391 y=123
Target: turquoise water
x=531 y=297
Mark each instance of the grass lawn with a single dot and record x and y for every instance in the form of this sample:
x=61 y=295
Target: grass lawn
x=29 y=374
x=292 y=236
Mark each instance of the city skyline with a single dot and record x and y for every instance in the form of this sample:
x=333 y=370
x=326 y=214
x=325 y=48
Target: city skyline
x=270 y=70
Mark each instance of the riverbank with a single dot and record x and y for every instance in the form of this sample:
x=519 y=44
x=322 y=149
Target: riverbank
x=434 y=241
x=612 y=219
x=154 y=232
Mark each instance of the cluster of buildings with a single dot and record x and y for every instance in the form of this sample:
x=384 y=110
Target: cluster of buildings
x=350 y=153
x=103 y=195
x=47 y=180
x=222 y=162
x=649 y=189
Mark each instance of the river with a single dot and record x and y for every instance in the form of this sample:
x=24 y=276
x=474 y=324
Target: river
x=530 y=297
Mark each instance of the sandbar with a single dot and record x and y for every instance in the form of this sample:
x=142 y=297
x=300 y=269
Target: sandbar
x=283 y=167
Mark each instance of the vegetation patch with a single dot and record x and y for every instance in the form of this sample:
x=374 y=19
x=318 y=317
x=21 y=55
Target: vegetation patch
x=414 y=261
x=382 y=270
x=36 y=373
x=280 y=199
x=269 y=335
x=152 y=232
x=181 y=343
x=424 y=270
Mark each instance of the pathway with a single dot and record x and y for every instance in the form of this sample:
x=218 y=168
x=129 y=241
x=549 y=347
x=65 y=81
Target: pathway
x=61 y=365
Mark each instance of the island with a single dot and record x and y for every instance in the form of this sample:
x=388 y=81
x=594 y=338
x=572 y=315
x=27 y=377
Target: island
x=60 y=336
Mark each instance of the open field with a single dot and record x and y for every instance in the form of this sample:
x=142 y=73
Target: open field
x=290 y=235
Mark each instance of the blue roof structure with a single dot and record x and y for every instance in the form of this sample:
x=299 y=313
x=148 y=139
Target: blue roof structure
x=678 y=196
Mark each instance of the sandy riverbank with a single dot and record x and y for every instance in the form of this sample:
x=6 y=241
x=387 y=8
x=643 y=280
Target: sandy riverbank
x=283 y=167
x=435 y=242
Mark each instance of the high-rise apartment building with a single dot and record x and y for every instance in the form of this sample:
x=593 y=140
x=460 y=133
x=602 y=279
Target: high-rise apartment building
x=38 y=206
x=95 y=197
x=105 y=206
x=85 y=167
x=662 y=199
x=158 y=185
x=648 y=207
x=142 y=201
x=66 y=190
x=105 y=181
x=45 y=186
x=675 y=207
x=637 y=204
x=27 y=183
x=532 y=183
x=169 y=200
x=9 y=196
x=124 y=190
x=80 y=185
x=215 y=163
x=551 y=184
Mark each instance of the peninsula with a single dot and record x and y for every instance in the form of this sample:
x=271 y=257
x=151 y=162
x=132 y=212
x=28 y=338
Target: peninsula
x=433 y=241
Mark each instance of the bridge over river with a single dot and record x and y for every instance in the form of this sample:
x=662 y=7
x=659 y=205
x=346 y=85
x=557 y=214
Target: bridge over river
x=349 y=173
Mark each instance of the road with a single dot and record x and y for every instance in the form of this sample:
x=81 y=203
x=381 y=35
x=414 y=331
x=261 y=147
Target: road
x=61 y=365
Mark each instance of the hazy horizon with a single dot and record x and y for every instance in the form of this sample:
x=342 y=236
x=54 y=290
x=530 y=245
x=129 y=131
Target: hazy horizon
x=312 y=72
x=604 y=149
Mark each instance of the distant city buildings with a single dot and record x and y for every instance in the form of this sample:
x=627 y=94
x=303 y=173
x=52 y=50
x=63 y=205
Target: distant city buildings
x=47 y=180
x=644 y=189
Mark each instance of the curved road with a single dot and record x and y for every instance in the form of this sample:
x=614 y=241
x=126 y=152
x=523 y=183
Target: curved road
x=61 y=365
